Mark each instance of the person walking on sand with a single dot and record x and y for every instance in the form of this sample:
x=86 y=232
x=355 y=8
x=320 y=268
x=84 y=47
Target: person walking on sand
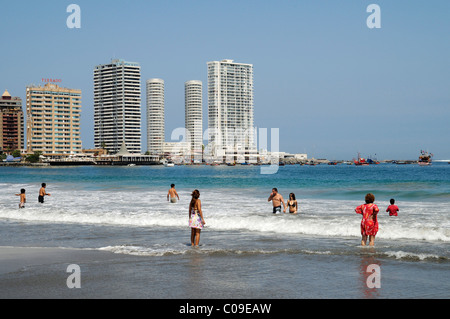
x=23 y=198
x=392 y=209
x=292 y=204
x=196 y=221
x=172 y=194
x=42 y=193
x=369 y=223
x=276 y=199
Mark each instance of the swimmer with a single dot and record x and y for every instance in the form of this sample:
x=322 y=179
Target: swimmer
x=172 y=194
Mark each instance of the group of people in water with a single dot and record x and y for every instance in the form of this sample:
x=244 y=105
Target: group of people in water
x=42 y=194
x=369 y=211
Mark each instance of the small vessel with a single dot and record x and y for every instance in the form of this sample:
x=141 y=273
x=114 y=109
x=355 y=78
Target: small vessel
x=425 y=158
x=365 y=161
x=360 y=161
x=169 y=164
x=372 y=161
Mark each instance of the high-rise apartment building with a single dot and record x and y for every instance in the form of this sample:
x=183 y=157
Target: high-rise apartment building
x=155 y=117
x=230 y=110
x=53 y=120
x=117 y=106
x=194 y=118
x=11 y=123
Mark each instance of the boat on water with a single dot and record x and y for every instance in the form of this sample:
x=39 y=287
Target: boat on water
x=364 y=162
x=360 y=161
x=371 y=161
x=168 y=163
x=425 y=158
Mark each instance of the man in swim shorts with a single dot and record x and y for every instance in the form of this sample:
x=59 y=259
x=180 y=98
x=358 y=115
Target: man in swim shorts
x=276 y=199
x=173 y=194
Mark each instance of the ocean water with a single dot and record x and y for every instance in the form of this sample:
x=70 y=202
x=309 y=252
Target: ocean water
x=246 y=251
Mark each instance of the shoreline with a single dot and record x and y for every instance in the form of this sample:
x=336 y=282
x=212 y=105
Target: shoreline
x=43 y=273
x=281 y=163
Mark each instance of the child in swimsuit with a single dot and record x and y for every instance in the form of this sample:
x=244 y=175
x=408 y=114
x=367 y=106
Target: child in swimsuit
x=392 y=209
x=23 y=199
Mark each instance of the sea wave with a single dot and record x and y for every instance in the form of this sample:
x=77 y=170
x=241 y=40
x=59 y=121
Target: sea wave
x=333 y=225
x=414 y=256
x=159 y=251
x=165 y=251
x=230 y=210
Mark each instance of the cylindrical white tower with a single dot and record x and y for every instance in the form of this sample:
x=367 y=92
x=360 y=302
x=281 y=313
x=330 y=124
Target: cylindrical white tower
x=155 y=116
x=194 y=118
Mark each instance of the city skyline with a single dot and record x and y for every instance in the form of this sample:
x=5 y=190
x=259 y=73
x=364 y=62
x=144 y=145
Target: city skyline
x=322 y=74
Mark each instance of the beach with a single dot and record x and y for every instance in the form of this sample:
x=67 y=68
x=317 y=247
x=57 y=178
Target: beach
x=42 y=273
x=129 y=242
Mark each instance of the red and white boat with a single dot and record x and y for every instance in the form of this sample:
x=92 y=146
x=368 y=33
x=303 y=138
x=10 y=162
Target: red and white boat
x=425 y=158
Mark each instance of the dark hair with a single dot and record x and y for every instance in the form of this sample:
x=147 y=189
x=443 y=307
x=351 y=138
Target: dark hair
x=195 y=196
x=172 y=185
x=43 y=185
x=392 y=201
x=370 y=198
x=292 y=195
x=274 y=189
x=22 y=191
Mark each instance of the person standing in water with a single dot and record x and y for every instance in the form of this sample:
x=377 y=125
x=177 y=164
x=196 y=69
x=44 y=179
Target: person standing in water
x=196 y=221
x=276 y=199
x=23 y=199
x=292 y=204
x=369 y=223
x=42 y=193
x=172 y=194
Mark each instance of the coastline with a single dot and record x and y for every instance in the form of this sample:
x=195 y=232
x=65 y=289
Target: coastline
x=41 y=273
x=130 y=243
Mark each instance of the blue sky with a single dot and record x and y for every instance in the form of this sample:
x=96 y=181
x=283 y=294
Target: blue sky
x=331 y=85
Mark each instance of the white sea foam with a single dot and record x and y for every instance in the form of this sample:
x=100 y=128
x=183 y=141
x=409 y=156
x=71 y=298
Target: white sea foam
x=413 y=256
x=224 y=210
x=166 y=250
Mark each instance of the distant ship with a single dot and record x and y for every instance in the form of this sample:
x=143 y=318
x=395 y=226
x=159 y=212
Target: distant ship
x=364 y=162
x=425 y=158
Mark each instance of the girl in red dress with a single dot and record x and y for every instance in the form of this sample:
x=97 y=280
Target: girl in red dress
x=369 y=223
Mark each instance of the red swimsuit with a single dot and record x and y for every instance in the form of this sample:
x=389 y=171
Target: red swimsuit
x=369 y=223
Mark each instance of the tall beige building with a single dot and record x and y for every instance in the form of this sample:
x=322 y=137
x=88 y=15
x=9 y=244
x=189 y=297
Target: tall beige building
x=53 y=120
